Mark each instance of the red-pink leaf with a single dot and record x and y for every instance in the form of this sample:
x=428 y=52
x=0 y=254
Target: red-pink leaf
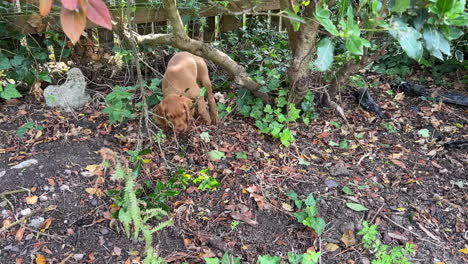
x=70 y=4
x=44 y=7
x=73 y=23
x=99 y=13
x=399 y=163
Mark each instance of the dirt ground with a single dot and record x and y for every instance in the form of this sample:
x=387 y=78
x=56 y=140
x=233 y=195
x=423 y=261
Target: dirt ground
x=414 y=188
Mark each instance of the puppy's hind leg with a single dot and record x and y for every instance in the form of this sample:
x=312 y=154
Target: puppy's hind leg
x=204 y=78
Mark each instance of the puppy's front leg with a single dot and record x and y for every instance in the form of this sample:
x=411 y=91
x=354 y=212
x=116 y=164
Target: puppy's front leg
x=203 y=111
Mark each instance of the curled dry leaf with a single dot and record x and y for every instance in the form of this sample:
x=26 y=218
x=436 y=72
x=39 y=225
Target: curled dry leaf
x=40 y=259
x=31 y=199
x=348 y=238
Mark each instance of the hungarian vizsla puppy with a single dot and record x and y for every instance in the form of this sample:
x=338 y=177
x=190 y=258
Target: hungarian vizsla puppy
x=181 y=91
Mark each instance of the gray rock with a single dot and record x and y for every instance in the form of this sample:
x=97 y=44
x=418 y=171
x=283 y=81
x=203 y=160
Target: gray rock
x=2 y=173
x=70 y=95
x=332 y=183
x=25 y=164
x=36 y=222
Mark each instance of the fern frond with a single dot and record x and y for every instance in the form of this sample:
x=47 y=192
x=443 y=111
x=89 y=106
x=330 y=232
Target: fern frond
x=161 y=226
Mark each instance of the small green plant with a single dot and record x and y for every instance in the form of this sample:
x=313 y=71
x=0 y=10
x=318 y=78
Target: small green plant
x=389 y=127
x=118 y=101
x=234 y=224
x=131 y=213
x=308 y=216
x=205 y=180
x=227 y=259
x=384 y=254
x=26 y=127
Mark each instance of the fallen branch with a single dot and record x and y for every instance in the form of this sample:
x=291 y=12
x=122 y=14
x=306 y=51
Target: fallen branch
x=13 y=192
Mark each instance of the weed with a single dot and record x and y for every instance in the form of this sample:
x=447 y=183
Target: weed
x=384 y=254
x=308 y=216
x=26 y=127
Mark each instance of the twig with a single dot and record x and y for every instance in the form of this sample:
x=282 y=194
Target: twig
x=54 y=237
x=19 y=221
x=13 y=192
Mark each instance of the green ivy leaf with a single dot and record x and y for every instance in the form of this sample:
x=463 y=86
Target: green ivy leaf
x=9 y=92
x=324 y=54
x=267 y=259
x=424 y=132
x=357 y=207
x=4 y=63
x=347 y=190
x=286 y=137
x=241 y=155
x=216 y=155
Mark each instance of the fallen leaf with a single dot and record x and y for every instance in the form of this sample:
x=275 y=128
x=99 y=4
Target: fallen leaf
x=19 y=234
x=331 y=247
x=243 y=218
x=46 y=224
x=31 y=199
x=463 y=250
x=399 y=163
x=348 y=238
x=18 y=261
x=46 y=250
x=91 y=191
x=287 y=207
x=357 y=207
x=40 y=259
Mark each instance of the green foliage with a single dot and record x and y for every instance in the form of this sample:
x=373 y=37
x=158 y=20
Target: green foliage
x=227 y=259
x=389 y=127
x=9 y=91
x=118 y=101
x=357 y=207
x=384 y=254
x=234 y=224
x=22 y=58
x=205 y=181
x=131 y=213
x=308 y=216
x=26 y=127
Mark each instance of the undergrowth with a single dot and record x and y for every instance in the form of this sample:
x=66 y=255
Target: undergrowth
x=384 y=254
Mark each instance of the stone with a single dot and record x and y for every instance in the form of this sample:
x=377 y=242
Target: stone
x=25 y=164
x=70 y=95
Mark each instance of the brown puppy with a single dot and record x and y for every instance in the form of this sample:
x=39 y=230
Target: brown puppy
x=180 y=89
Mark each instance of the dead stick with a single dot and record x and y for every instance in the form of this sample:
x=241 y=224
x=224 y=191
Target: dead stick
x=13 y=192
x=22 y=219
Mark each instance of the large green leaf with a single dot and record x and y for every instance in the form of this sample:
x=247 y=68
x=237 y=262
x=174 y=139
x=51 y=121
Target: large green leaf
x=4 y=63
x=324 y=54
x=355 y=44
x=408 y=38
x=9 y=92
x=443 y=6
x=436 y=43
x=322 y=14
x=461 y=20
x=452 y=33
x=400 y=6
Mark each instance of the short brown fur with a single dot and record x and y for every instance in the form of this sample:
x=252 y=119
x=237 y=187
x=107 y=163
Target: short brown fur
x=180 y=89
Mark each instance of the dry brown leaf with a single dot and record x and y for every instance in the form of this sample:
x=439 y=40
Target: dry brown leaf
x=348 y=238
x=44 y=226
x=31 y=199
x=331 y=247
x=18 y=261
x=91 y=191
x=20 y=233
x=399 y=163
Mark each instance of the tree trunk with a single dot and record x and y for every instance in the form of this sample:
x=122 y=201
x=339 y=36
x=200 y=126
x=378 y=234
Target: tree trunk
x=302 y=46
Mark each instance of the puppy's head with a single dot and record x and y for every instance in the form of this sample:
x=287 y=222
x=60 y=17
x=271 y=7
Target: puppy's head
x=175 y=112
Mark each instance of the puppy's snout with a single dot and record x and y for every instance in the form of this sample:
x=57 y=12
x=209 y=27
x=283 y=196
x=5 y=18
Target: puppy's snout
x=180 y=129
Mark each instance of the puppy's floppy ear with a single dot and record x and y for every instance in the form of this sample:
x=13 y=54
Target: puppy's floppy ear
x=160 y=114
x=188 y=109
